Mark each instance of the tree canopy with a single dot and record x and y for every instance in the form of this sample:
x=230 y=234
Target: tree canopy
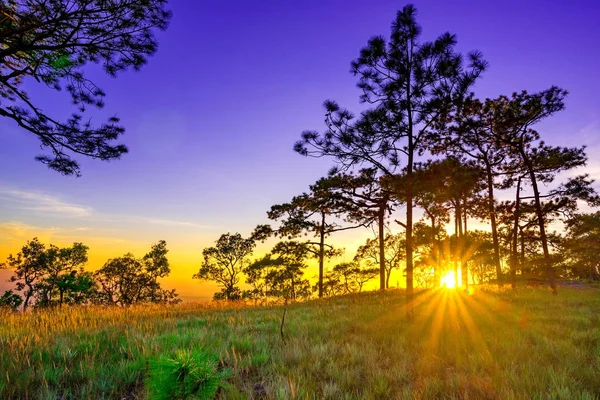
x=51 y=42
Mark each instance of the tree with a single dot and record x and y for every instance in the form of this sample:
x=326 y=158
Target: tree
x=370 y=254
x=50 y=275
x=225 y=262
x=52 y=41
x=352 y=277
x=429 y=193
x=127 y=280
x=311 y=214
x=280 y=273
x=412 y=86
x=462 y=186
x=28 y=269
x=367 y=203
x=431 y=256
x=582 y=246
x=469 y=133
x=512 y=119
x=10 y=300
x=77 y=287
x=61 y=267
x=559 y=203
x=156 y=266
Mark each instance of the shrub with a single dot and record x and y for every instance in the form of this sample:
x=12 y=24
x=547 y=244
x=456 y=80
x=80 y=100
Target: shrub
x=189 y=375
x=10 y=300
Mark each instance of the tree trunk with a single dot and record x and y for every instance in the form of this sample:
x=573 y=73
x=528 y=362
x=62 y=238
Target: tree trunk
x=380 y=221
x=321 y=254
x=492 y=212
x=515 y=251
x=460 y=241
x=464 y=214
x=409 y=198
x=465 y=261
x=540 y=217
x=435 y=251
x=522 y=263
x=456 y=247
x=26 y=302
x=409 y=240
x=28 y=296
x=387 y=279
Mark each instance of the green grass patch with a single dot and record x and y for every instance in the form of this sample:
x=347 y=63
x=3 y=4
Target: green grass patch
x=494 y=344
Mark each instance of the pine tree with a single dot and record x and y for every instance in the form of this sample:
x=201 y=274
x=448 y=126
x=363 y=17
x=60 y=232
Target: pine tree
x=51 y=42
x=411 y=86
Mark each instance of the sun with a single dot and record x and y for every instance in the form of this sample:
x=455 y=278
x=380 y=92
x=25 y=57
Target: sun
x=447 y=281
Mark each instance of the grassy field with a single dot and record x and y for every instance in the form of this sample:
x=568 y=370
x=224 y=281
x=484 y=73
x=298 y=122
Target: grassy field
x=492 y=344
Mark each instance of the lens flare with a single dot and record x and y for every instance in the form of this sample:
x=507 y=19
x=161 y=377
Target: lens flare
x=447 y=281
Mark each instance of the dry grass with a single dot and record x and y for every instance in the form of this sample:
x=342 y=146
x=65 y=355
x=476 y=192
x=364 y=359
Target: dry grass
x=494 y=344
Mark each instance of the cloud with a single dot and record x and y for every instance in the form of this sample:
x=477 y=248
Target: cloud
x=167 y=222
x=50 y=205
x=16 y=231
x=43 y=203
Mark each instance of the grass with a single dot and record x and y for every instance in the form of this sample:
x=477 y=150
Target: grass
x=494 y=344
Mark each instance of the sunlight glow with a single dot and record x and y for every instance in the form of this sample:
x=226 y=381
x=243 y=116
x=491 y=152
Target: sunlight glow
x=448 y=281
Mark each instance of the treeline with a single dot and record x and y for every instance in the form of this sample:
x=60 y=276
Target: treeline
x=424 y=144
x=428 y=145
x=53 y=277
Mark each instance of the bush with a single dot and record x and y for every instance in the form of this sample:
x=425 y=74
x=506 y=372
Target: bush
x=11 y=300
x=189 y=375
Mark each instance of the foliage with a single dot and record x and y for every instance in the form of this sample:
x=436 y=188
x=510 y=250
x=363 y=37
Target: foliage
x=349 y=277
x=224 y=263
x=51 y=276
x=317 y=214
x=188 y=375
x=511 y=120
x=127 y=280
x=52 y=41
x=411 y=86
x=481 y=255
x=279 y=274
x=11 y=300
x=582 y=246
x=368 y=203
x=394 y=253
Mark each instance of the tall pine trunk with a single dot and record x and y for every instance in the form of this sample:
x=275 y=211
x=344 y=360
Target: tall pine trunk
x=540 y=217
x=321 y=254
x=464 y=261
x=492 y=213
x=380 y=221
x=409 y=204
x=461 y=243
x=435 y=252
x=515 y=250
x=522 y=263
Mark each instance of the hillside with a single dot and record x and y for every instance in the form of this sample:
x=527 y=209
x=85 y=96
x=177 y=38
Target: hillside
x=490 y=344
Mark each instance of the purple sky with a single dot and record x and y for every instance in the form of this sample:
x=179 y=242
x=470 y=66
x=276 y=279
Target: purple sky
x=212 y=118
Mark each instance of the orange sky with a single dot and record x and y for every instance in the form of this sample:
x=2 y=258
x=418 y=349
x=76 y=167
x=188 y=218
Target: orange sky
x=185 y=250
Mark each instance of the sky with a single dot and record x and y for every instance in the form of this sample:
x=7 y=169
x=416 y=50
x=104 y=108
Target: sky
x=211 y=120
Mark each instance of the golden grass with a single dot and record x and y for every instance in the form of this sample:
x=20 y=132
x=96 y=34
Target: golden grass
x=494 y=344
